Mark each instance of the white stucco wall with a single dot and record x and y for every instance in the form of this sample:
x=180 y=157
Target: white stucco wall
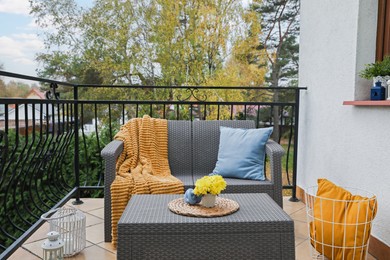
x=348 y=145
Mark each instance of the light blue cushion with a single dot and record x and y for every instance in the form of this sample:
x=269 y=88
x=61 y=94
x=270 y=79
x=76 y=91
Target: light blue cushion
x=241 y=153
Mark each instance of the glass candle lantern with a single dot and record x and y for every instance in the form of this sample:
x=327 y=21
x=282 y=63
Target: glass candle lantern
x=378 y=91
x=53 y=247
x=70 y=223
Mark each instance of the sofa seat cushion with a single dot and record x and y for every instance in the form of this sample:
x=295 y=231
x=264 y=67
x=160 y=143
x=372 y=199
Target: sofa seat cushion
x=244 y=186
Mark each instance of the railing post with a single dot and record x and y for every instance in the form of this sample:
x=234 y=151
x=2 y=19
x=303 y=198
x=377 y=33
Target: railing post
x=76 y=146
x=295 y=156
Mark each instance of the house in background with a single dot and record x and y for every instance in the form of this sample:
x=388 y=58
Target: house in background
x=35 y=93
x=17 y=116
x=347 y=144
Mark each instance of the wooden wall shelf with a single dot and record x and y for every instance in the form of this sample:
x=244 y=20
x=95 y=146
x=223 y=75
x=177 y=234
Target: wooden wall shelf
x=371 y=103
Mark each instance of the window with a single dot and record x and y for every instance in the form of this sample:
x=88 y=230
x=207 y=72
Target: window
x=383 y=30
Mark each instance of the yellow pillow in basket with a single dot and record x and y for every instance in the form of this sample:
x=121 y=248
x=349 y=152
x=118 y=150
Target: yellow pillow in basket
x=342 y=222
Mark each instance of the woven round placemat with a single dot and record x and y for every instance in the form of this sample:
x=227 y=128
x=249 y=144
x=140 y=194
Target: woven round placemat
x=222 y=207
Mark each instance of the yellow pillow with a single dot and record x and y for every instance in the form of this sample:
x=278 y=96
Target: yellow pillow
x=342 y=222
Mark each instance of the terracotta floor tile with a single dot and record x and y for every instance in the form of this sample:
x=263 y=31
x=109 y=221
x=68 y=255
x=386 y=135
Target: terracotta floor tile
x=107 y=246
x=299 y=240
x=300 y=229
x=98 y=213
x=40 y=234
x=299 y=215
x=95 y=233
x=291 y=207
x=92 y=220
x=303 y=251
x=94 y=253
x=35 y=247
x=21 y=253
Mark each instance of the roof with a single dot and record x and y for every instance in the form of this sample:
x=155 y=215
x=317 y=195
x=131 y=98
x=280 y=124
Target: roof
x=35 y=93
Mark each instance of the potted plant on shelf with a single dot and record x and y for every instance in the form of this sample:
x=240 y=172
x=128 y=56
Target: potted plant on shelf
x=378 y=71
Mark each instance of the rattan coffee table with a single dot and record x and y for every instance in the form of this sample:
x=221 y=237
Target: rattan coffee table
x=260 y=229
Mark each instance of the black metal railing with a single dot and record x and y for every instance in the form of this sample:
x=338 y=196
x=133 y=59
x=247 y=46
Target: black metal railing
x=50 y=149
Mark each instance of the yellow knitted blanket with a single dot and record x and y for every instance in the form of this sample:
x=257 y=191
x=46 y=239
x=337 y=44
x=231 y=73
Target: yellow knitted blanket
x=143 y=166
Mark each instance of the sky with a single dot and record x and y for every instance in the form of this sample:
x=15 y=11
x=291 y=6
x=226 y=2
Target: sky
x=18 y=38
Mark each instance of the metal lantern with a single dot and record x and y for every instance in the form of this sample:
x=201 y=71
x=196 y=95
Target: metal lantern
x=70 y=224
x=378 y=91
x=53 y=247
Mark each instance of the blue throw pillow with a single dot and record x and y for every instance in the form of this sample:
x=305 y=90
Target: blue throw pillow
x=242 y=152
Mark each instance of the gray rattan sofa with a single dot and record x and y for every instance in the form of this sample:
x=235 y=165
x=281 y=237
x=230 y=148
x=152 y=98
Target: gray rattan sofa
x=192 y=151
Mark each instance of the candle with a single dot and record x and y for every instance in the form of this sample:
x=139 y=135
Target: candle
x=69 y=246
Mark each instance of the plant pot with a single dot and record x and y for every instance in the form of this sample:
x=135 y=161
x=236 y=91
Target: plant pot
x=208 y=200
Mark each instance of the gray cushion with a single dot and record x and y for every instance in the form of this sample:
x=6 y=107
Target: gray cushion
x=243 y=186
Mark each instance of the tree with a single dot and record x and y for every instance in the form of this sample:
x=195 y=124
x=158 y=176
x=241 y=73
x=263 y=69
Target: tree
x=162 y=41
x=60 y=22
x=16 y=89
x=13 y=88
x=243 y=66
x=280 y=27
x=195 y=46
x=2 y=84
x=3 y=90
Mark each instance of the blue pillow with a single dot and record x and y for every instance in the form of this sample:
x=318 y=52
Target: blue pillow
x=242 y=152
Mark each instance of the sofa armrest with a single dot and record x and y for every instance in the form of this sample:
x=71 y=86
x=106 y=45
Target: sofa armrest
x=275 y=153
x=113 y=149
x=110 y=154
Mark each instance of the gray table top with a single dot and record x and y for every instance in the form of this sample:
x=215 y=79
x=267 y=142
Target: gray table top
x=256 y=209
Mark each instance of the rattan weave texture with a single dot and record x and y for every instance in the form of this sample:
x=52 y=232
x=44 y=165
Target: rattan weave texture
x=110 y=153
x=259 y=230
x=179 y=151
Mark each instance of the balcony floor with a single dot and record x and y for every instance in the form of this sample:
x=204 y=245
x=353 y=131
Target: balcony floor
x=97 y=249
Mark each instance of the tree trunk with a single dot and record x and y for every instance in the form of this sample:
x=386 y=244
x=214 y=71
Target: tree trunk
x=276 y=109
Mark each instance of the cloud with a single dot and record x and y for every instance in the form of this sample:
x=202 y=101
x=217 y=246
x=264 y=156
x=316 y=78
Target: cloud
x=15 y=7
x=20 y=48
x=29 y=40
x=25 y=61
x=8 y=49
x=32 y=24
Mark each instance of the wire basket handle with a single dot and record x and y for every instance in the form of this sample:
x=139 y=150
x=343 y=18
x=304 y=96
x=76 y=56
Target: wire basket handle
x=44 y=216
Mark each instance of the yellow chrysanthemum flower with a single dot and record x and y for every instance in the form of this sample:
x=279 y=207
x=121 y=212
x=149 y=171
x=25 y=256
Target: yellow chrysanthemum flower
x=209 y=185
